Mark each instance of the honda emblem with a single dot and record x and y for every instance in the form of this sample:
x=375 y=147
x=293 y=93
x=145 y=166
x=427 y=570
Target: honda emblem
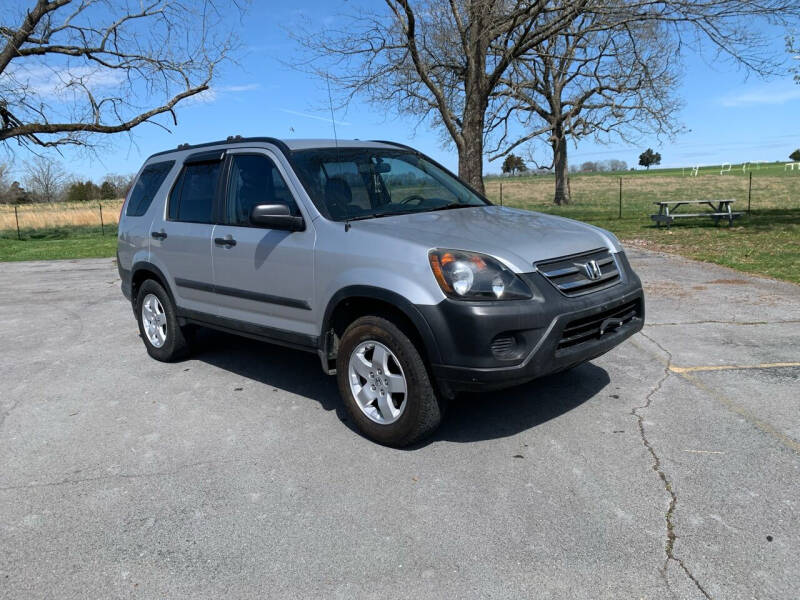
x=592 y=270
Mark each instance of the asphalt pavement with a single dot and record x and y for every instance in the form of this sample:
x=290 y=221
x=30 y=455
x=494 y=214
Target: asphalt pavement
x=668 y=468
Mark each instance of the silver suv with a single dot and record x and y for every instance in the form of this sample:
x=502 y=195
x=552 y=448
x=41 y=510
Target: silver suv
x=409 y=285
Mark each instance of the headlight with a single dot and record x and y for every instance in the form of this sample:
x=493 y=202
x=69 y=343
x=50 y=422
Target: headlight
x=473 y=276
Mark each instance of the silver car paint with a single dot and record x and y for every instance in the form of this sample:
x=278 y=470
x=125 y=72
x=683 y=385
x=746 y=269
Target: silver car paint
x=389 y=253
x=133 y=242
x=266 y=261
x=517 y=237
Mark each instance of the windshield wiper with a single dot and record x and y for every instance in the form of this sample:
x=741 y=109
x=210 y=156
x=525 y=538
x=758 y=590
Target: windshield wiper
x=391 y=213
x=377 y=215
x=453 y=205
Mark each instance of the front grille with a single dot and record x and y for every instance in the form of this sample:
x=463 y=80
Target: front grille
x=595 y=326
x=571 y=274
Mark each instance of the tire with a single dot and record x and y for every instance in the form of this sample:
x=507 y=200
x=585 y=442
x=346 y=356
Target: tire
x=420 y=411
x=173 y=339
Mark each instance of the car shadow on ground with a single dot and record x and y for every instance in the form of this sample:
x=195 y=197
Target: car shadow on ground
x=492 y=415
x=469 y=418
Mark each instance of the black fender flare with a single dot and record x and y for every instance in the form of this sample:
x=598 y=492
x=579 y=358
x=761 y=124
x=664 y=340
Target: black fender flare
x=144 y=265
x=396 y=300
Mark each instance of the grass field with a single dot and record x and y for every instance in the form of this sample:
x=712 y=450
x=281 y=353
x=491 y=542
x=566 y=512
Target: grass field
x=65 y=242
x=765 y=242
x=57 y=215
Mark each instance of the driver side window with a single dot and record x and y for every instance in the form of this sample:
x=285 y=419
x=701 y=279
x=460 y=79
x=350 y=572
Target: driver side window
x=254 y=179
x=406 y=182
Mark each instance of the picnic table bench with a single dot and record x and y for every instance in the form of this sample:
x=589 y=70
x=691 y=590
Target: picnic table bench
x=720 y=209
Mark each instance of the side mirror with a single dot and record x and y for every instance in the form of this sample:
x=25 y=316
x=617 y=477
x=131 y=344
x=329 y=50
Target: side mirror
x=276 y=216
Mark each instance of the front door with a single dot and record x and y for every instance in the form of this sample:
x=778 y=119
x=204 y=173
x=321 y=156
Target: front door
x=262 y=276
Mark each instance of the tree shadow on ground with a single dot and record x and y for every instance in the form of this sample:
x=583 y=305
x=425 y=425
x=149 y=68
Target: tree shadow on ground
x=469 y=418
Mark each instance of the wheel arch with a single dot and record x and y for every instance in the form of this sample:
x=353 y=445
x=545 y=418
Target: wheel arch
x=356 y=301
x=144 y=270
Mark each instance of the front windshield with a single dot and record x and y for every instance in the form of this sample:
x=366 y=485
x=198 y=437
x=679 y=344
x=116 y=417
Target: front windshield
x=362 y=183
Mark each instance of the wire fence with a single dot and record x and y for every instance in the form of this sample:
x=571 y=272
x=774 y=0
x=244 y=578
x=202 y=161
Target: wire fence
x=601 y=196
x=25 y=220
x=632 y=196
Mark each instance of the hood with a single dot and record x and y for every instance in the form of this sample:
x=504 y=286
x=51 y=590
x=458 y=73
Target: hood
x=518 y=238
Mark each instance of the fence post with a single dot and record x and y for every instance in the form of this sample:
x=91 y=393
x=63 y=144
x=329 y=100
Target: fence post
x=102 y=227
x=16 y=218
x=501 y=193
x=620 y=197
x=749 y=192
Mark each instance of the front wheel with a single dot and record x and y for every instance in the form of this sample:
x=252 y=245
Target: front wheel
x=385 y=384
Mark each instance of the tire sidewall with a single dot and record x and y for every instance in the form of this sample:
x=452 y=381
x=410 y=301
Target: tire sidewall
x=418 y=385
x=173 y=345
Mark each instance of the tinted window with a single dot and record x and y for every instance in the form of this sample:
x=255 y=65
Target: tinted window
x=348 y=183
x=146 y=187
x=192 y=198
x=254 y=180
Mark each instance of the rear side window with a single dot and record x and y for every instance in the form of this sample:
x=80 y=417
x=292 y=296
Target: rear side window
x=146 y=187
x=192 y=198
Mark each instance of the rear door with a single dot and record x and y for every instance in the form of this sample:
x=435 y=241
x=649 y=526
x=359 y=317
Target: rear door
x=262 y=276
x=180 y=243
x=139 y=211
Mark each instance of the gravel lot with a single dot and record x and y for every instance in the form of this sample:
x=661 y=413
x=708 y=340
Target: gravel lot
x=648 y=473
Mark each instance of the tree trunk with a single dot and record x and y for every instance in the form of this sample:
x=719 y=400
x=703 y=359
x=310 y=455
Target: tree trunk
x=559 y=143
x=470 y=163
x=470 y=154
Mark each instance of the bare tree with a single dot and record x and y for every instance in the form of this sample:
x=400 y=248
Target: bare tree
x=590 y=80
x=44 y=179
x=437 y=60
x=70 y=69
x=121 y=183
x=3 y=178
x=454 y=63
x=615 y=165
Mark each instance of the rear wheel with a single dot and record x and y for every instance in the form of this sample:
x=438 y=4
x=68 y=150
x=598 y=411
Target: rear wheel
x=385 y=384
x=163 y=337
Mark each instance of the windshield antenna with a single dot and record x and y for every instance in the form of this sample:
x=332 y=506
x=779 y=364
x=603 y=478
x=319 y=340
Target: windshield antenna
x=333 y=120
x=336 y=140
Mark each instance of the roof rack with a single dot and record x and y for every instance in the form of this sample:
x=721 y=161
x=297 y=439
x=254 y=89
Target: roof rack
x=233 y=139
x=398 y=144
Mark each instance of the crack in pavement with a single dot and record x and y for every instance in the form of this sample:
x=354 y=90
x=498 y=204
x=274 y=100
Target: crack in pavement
x=111 y=476
x=713 y=322
x=673 y=497
x=4 y=413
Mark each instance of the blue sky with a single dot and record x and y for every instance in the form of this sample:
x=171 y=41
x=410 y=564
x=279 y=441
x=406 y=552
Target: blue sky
x=728 y=118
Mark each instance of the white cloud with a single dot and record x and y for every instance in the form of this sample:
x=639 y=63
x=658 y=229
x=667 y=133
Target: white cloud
x=308 y=116
x=213 y=93
x=764 y=95
x=205 y=97
x=57 y=81
x=247 y=87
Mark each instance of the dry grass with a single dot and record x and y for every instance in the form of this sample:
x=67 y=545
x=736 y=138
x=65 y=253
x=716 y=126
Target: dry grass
x=601 y=193
x=61 y=214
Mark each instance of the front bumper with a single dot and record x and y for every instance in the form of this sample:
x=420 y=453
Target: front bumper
x=494 y=345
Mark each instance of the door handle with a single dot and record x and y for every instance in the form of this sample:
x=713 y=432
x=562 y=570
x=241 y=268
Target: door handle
x=226 y=241
x=159 y=235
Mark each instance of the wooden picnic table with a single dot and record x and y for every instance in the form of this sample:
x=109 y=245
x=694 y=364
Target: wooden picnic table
x=720 y=209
